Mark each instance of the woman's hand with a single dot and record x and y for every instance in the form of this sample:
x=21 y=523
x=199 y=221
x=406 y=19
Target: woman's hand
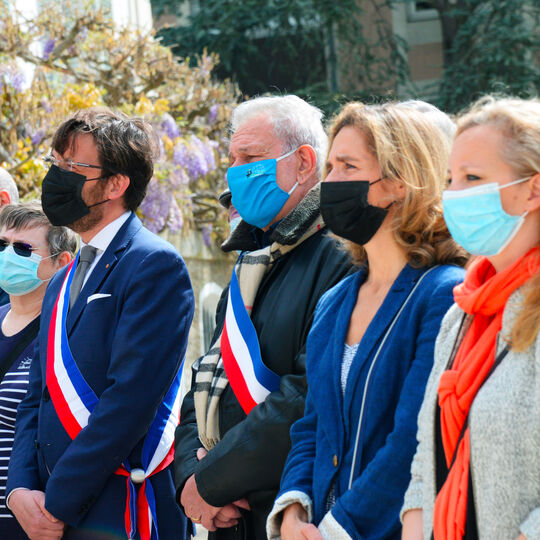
x=412 y=525
x=295 y=525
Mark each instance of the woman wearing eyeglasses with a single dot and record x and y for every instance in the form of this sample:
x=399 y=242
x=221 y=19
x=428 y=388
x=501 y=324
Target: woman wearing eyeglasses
x=31 y=251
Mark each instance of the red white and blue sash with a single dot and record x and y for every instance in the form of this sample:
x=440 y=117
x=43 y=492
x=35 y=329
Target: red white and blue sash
x=249 y=378
x=74 y=401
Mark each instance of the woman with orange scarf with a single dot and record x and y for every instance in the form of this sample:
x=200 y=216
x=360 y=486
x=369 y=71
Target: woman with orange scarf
x=476 y=472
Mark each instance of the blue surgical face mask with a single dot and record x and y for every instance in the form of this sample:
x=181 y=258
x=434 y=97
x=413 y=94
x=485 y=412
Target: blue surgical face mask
x=18 y=275
x=234 y=223
x=476 y=219
x=255 y=192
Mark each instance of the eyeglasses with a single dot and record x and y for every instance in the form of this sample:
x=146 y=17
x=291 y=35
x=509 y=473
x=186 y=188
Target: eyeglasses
x=20 y=248
x=66 y=164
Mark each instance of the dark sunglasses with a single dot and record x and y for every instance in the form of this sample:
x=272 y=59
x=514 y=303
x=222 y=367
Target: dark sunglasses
x=20 y=248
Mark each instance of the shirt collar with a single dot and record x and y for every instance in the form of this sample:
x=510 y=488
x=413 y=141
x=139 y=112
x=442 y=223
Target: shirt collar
x=104 y=237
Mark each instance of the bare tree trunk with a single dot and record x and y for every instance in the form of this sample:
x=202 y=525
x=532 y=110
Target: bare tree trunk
x=450 y=23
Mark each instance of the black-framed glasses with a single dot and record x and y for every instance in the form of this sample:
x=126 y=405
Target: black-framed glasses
x=67 y=164
x=20 y=248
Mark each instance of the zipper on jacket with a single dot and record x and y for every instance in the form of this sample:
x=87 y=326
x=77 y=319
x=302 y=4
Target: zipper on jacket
x=375 y=358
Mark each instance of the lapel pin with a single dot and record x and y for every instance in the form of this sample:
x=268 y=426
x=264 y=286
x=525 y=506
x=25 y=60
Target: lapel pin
x=106 y=266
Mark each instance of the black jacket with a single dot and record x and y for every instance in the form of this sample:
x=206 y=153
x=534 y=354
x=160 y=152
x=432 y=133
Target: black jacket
x=249 y=459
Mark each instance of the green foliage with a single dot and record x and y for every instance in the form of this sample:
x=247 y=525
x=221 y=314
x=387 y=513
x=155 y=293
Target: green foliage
x=495 y=49
x=295 y=45
x=67 y=59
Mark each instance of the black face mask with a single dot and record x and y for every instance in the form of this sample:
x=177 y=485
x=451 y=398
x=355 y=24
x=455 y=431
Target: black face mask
x=61 y=196
x=346 y=212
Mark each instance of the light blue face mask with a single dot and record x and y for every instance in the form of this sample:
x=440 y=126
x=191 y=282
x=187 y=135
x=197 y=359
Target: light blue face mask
x=476 y=219
x=255 y=192
x=234 y=223
x=18 y=275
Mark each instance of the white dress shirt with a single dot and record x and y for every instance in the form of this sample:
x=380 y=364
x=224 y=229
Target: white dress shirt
x=102 y=240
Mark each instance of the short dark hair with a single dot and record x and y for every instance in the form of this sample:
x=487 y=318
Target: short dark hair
x=126 y=145
x=28 y=215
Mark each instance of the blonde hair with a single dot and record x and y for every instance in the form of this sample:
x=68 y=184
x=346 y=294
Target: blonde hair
x=518 y=121
x=410 y=149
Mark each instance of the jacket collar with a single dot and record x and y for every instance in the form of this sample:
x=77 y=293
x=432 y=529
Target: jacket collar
x=289 y=230
x=107 y=262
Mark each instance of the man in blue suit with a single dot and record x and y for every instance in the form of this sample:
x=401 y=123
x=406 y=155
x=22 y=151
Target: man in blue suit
x=92 y=446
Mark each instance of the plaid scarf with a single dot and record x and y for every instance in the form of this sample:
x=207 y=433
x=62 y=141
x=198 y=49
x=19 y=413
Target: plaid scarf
x=211 y=379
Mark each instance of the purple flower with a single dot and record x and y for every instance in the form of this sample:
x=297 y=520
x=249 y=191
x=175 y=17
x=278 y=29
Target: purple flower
x=155 y=206
x=37 y=137
x=169 y=126
x=207 y=235
x=198 y=164
x=178 y=178
x=180 y=155
x=17 y=79
x=176 y=220
x=213 y=114
x=48 y=48
x=196 y=157
x=46 y=105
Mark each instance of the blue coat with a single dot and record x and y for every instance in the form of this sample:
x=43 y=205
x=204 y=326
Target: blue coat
x=128 y=347
x=385 y=394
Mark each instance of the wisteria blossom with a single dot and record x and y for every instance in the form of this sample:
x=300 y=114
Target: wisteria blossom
x=186 y=106
x=169 y=126
x=37 y=136
x=48 y=48
x=12 y=75
x=46 y=105
x=156 y=205
x=175 y=222
x=207 y=235
x=213 y=114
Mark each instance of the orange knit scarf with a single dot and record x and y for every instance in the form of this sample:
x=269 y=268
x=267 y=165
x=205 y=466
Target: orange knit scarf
x=483 y=295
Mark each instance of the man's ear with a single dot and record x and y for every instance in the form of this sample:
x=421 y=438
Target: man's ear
x=533 y=202
x=117 y=186
x=307 y=166
x=5 y=197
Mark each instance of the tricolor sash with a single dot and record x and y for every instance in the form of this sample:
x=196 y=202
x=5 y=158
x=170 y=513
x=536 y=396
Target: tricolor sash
x=74 y=401
x=250 y=380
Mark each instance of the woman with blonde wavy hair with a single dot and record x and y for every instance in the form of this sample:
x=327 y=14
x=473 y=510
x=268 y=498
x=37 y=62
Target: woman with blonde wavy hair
x=476 y=473
x=370 y=348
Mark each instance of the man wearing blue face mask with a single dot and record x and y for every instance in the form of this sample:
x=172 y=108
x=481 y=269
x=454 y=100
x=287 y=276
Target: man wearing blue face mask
x=250 y=386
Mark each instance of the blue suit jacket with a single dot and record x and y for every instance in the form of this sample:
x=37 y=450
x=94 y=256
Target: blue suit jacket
x=386 y=394
x=128 y=347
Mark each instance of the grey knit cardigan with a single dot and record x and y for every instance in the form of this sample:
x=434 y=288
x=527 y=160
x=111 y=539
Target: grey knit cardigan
x=505 y=438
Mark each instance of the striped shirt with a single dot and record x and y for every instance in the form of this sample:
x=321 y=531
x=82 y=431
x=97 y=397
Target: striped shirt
x=12 y=390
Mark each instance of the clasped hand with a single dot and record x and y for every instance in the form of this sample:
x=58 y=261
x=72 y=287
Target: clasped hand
x=29 y=509
x=295 y=526
x=210 y=517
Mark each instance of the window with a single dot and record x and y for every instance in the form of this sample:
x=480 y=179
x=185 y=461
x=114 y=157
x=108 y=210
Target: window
x=421 y=11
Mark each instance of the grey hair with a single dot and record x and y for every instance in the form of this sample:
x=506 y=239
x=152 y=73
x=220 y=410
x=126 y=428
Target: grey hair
x=28 y=215
x=8 y=184
x=435 y=115
x=295 y=122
